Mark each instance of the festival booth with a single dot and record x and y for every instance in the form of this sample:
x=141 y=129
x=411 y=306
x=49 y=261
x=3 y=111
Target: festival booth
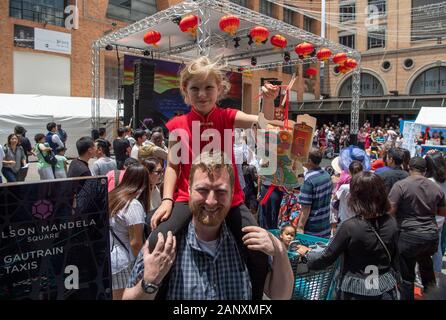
x=33 y=112
x=432 y=123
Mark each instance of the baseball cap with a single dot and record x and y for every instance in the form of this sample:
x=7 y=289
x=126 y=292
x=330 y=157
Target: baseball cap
x=418 y=164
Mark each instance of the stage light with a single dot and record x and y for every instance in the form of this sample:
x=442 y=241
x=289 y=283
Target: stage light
x=146 y=53
x=253 y=61
x=109 y=47
x=286 y=56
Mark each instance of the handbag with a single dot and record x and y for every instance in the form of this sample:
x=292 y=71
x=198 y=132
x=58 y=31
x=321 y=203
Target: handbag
x=49 y=158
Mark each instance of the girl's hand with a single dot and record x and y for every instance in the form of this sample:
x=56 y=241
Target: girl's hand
x=161 y=214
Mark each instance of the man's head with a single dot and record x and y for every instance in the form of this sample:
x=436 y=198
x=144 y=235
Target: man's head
x=211 y=184
x=394 y=157
x=314 y=159
x=140 y=136
x=102 y=132
x=417 y=166
x=59 y=126
x=51 y=126
x=157 y=139
x=121 y=132
x=102 y=148
x=86 y=147
x=20 y=130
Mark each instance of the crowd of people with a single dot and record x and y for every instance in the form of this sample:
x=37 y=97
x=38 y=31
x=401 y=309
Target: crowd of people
x=197 y=229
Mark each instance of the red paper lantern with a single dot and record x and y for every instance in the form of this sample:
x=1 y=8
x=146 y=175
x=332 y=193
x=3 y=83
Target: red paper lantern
x=340 y=58
x=189 y=24
x=351 y=63
x=259 y=34
x=229 y=24
x=343 y=69
x=278 y=41
x=304 y=49
x=311 y=72
x=323 y=54
x=152 y=37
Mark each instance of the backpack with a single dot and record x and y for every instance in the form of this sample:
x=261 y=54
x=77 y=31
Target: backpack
x=49 y=158
x=290 y=209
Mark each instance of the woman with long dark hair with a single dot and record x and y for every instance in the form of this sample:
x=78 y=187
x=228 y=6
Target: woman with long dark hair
x=436 y=171
x=368 y=241
x=128 y=204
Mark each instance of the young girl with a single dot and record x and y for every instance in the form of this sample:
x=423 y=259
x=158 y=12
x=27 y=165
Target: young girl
x=128 y=204
x=42 y=149
x=202 y=84
x=287 y=234
x=61 y=167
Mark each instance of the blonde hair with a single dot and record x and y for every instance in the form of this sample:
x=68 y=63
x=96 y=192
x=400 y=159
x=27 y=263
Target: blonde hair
x=211 y=162
x=203 y=67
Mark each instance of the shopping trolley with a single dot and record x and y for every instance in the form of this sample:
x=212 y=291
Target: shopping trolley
x=309 y=284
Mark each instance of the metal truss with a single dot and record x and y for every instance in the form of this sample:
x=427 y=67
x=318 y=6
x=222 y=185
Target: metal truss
x=204 y=31
x=356 y=91
x=205 y=41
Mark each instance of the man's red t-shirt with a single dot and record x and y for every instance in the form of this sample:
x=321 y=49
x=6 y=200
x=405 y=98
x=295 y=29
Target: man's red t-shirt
x=218 y=119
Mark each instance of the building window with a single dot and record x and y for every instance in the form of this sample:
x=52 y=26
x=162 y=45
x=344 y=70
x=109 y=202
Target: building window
x=428 y=20
x=243 y=3
x=288 y=16
x=377 y=7
x=43 y=11
x=347 y=12
x=432 y=81
x=370 y=87
x=376 y=39
x=348 y=41
x=307 y=23
x=130 y=10
x=266 y=7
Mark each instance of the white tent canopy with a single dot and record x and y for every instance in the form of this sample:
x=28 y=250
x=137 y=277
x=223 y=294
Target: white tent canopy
x=33 y=112
x=432 y=116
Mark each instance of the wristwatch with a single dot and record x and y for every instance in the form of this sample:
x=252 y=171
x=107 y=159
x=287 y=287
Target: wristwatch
x=149 y=287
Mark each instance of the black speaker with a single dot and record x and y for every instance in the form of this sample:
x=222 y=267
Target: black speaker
x=143 y=91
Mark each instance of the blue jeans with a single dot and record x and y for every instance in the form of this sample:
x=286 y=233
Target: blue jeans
x=9 y=174
x=437 y=258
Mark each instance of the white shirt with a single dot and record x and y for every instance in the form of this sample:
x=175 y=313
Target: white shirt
x=131 y=140
x=135 y=151
x=133 y=214
x=343 y=194
x=55 y=139
x=155 y=198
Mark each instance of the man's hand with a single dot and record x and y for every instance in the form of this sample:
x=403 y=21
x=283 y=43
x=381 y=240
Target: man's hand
x=259 y=239
x=158 y=262
x=302 y=250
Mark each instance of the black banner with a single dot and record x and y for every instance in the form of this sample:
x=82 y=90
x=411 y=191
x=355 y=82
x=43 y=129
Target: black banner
x=54 y=240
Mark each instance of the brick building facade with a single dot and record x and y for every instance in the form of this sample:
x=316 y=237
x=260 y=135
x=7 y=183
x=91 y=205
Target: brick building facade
x=97 y=18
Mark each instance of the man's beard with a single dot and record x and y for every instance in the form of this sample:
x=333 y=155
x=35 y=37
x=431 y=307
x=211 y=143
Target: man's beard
x=211 y=219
